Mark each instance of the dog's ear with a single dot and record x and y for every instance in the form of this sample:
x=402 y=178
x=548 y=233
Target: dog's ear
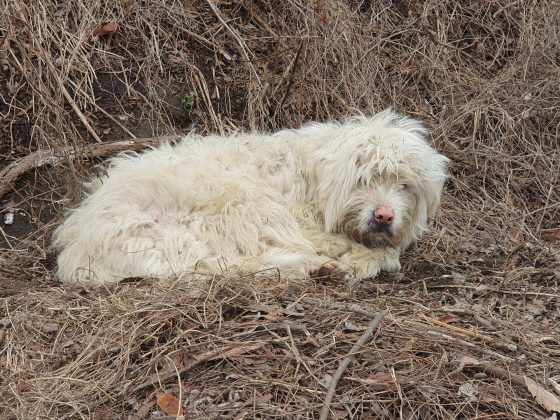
x=333 y=175
x=434 y=178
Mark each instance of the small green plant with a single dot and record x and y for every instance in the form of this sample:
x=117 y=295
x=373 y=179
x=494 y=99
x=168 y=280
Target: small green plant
x=189 y=101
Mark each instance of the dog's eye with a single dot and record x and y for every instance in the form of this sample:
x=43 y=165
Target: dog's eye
x=404 y=186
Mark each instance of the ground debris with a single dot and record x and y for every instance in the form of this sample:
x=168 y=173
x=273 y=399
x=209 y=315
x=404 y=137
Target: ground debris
x=482 y=284
x=163 y=338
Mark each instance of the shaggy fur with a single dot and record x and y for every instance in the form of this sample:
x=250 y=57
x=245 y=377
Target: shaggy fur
x=300 y=200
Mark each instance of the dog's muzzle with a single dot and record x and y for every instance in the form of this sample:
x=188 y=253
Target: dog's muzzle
x=378 y=235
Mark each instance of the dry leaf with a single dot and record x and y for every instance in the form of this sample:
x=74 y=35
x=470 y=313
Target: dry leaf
x=169 y=404
x=350 y=327
x=105 y=29
x=545 y=398
x=22 y=7
x=537 y=307
x=49 y=327
x=325 y=381
x=555 y=384
x=264 y=398
x=10 y=205
x=467 y=361
x=489 y=394
x=447 y=318
x=314 y=342
x=143 y=411
x=468 y=389
x=272 y=316
x=552 y=235
x=515 y=235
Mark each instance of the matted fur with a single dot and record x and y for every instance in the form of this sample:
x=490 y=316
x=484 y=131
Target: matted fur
x=297 y=200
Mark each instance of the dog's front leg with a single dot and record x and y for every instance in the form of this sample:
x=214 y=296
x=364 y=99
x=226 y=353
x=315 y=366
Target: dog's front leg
x=353 y=261
x=297 y=264
x=368 y=262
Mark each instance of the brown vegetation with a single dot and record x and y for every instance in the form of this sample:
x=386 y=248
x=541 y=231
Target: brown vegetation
x=473 y=320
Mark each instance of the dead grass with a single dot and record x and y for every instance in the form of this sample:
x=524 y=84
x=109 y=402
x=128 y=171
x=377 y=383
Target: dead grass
x=483 y=75
x=235 y=348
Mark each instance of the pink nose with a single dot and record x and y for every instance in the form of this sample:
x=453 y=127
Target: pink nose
x=384 y=215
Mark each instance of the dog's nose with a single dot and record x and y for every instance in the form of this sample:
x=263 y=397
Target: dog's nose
x=384 y=215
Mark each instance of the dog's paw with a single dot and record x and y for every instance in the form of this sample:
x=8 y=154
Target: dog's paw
x=368 y=263
x=364 y=271
x=391 y=265
x=332 y=270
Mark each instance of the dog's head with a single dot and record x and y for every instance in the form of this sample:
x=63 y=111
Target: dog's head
x=378 y=180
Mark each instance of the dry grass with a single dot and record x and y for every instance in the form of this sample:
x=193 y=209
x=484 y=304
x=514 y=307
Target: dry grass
x=235 y=349
x=483 y=75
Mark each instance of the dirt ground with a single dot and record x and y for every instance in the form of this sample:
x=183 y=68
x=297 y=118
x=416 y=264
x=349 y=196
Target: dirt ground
x=472 y=328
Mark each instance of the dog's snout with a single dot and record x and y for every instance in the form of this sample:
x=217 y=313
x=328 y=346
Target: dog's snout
x=384 y=215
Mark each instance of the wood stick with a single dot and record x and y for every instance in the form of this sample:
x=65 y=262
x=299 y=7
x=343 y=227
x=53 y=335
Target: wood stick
x=11 y=173
x=346 y=362
x=494 y=371
x=500 y=373
x=466 y=344
x=292 y=75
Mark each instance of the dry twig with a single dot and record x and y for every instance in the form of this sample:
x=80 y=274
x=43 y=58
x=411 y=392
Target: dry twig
x=11 y=173
x=368 y=333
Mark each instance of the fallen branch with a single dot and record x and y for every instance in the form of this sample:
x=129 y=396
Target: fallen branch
x=497 y=372
x=465 y=334
x=11 y=173
x=292 y=74
x=346 y=362
x=461 y=342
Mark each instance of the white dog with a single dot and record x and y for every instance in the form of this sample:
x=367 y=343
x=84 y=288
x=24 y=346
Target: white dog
x=335 y=198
